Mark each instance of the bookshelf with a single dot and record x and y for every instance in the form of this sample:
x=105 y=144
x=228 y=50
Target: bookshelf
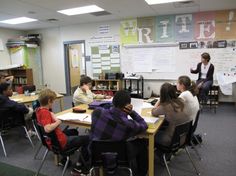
x=107 y=85
x=22 y=76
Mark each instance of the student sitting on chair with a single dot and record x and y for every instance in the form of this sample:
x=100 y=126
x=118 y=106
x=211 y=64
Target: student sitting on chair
x=67 y=138
x=113 y=124
x=83 y=94
x=172 y=107
x=17 y=110
x=189 y=92
x=205 y=71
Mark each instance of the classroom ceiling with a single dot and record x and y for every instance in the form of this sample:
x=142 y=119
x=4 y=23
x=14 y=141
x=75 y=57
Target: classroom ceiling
x=43 y=10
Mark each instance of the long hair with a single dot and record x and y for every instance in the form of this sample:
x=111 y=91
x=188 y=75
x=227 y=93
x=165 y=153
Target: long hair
x=168 y=96
x=188 y=84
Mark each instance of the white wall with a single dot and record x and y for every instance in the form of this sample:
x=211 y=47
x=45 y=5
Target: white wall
x=6 y=34
x=53 y=51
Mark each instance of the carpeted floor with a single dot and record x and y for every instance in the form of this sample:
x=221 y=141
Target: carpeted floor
x=9 y=170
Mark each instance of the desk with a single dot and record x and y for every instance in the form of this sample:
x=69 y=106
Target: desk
x=27 y=100
x=149 y=134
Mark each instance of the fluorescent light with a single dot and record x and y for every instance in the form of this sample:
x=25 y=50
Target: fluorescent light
x=151 y=2
x=18 y=20
x=81 y=10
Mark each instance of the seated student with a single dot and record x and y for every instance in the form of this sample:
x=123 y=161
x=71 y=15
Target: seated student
x=83 y=94
x=67 y=138
x=113 y=124
x=17 y=110
x=188 y=91
x=172 y=107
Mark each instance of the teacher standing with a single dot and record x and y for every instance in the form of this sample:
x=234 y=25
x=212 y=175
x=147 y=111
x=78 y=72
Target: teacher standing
x=205 y=71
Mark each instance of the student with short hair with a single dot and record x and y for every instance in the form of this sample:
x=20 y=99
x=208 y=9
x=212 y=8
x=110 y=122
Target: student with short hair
x=189 y=92
x=113 y=124
x=172 y=107
x=205 y=71
x=67 y=138
x=17 y=110
x=83 y=94
x=4 y=78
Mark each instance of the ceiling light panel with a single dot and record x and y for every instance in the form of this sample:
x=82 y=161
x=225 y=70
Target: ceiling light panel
x=152 y=2
x=81 y=10
x=19 y=20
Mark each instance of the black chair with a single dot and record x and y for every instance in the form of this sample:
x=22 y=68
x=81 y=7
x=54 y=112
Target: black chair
x=109 y=153
x=8 y=122
x=55 y=148
x=30 y=88
x=179 y=140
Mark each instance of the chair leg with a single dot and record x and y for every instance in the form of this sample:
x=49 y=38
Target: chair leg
x=35 y=129
x=44 y=157
x=65 y=167
x=3 y=146
x=167 y=168
x=196 y=151
x=200 y=144
x=28 y=136
x=198 y=173
x=40 y=146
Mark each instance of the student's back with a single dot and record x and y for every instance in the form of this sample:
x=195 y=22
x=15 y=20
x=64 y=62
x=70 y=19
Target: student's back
x=173 y=118
x=191 y=104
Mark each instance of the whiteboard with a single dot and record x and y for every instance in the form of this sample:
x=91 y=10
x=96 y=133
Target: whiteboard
x=169 y=62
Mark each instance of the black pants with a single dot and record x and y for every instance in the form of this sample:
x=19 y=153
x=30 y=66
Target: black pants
x=74 y=140
x=137 y=153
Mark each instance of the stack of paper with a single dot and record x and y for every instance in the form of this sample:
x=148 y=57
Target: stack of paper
x=75 y=116
x=151 y=120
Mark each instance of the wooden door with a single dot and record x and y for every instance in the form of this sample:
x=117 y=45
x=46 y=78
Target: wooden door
x=75 y=56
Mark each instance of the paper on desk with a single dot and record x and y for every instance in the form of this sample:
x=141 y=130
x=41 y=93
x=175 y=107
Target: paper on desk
x=151 y=120
x=16 y=99
x=75 y=116
x=147 y=105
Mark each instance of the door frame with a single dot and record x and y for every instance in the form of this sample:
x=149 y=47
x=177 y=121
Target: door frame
x=66 y=62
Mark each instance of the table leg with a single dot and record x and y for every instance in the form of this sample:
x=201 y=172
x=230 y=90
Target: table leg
x=56 y=159
x=151 y=155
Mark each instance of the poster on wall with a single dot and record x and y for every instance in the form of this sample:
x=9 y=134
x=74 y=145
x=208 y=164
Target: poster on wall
x=184 y=27
x=146 y=30
x=226 y=24
x=105 y=59
x=165 y=28
x=204 y=26
x=128 y=31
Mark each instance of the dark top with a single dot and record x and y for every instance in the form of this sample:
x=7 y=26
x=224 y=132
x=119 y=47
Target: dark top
x=15 y=108
x=209 y=75
x=113 y=124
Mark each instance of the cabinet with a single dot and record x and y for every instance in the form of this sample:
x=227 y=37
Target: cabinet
x=135 y=86
x=21 y=75
x=105 y=85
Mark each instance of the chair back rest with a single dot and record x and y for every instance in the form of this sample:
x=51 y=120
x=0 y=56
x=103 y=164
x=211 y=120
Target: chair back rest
x=30 y=88
x=181 y=135
x=48 y=137
x=11 y=118
x=194 y=127
x=101 y=147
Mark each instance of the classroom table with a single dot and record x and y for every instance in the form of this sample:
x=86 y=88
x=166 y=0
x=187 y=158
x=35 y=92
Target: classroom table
x=149 y=134
x=27 y=100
